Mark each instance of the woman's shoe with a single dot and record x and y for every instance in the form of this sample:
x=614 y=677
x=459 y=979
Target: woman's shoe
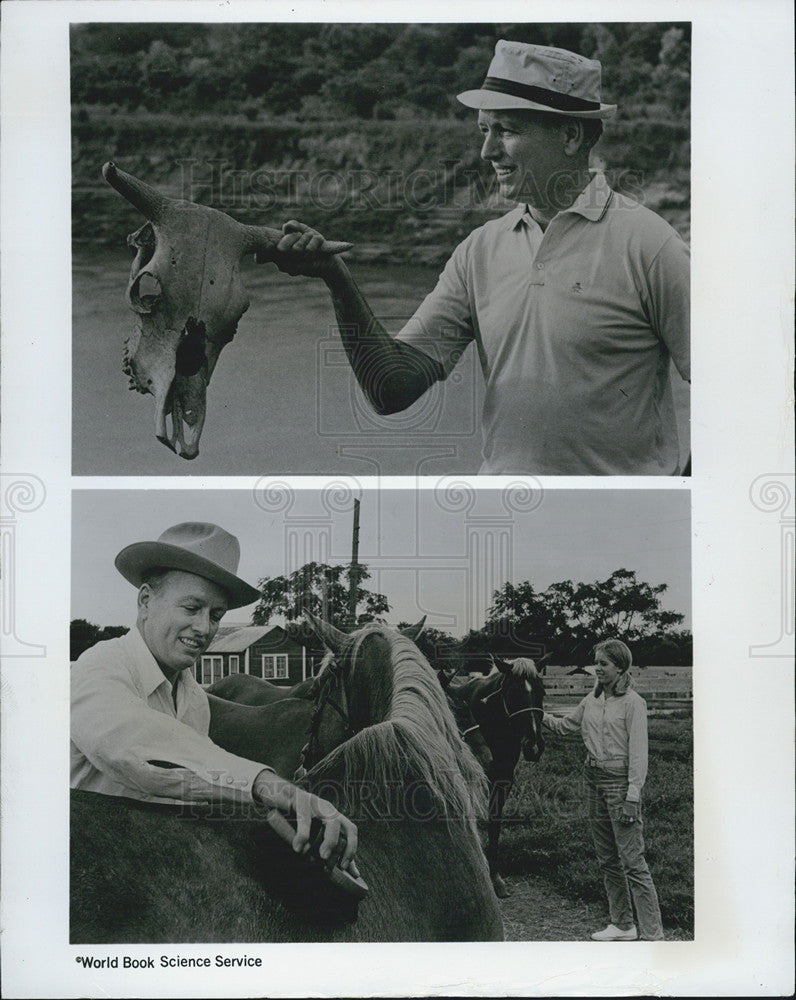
x=613 y=933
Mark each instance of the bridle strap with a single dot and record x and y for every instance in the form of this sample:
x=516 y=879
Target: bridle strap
x=521 y=710
x=502 y=692
x=324 y=698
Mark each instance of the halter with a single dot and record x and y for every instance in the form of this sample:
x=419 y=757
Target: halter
x=502 y=693
x=332 y=677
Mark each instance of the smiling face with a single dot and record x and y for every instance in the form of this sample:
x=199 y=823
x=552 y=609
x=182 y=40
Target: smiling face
x=607 y=671
x=178 y=619
x=526 y=153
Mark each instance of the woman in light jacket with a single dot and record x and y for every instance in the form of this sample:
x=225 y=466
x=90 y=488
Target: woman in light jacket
x=613 y=723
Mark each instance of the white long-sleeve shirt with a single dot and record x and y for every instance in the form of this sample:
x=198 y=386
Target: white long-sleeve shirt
x=128 y=738
x=614 y=730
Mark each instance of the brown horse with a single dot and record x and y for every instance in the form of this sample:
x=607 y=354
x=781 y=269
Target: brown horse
x=383 y=747
x=248 y=690
x=506 y=708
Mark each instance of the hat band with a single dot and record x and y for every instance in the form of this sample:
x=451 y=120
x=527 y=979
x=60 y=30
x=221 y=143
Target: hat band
x=554 y=100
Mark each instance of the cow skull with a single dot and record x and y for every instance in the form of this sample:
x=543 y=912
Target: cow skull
x=187 y=296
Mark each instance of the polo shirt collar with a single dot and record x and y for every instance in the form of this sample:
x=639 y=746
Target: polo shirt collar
x=149 y=673
x=591 y=203
x=517 y=215
x=593 y=200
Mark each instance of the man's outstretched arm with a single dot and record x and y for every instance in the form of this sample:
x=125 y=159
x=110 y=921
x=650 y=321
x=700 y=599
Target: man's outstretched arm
x=392 y=374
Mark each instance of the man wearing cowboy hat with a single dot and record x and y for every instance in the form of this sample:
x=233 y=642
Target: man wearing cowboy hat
x=140 y=721
x=577 y=300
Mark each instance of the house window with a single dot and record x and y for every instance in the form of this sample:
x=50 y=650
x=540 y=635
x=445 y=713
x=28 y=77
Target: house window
x=212 y=667
x=275 y=666
x=234 y=664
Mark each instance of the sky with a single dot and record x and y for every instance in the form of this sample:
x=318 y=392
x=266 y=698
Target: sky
x=436 y=552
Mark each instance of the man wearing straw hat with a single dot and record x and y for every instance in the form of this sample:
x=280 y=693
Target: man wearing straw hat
x=140 y=721
x=577 y=300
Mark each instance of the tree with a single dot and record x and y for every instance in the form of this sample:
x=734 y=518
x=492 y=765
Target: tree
x=320 y=589
x=621 y=606
x=83 y=634
x=569 y=618
x=440 y=648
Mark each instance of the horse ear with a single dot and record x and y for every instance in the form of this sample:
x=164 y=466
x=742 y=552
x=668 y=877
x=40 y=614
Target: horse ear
x=541 y=665
x=503 y=665
x=413 y=631
x=444 y=678
x=331 y=637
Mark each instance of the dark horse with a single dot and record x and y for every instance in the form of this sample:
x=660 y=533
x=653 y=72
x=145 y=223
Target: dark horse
x=506 y=706
x=380 y=742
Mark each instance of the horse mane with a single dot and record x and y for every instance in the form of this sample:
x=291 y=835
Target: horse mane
x=524 y=667
x=328 y=657
x=417 y=741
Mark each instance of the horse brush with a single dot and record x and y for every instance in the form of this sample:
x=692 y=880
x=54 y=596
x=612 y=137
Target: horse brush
x=353 y=885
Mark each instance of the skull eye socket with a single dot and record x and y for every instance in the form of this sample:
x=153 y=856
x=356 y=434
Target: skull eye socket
x=143 y=241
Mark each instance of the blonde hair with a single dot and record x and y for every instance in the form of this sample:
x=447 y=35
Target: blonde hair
x=617 y=652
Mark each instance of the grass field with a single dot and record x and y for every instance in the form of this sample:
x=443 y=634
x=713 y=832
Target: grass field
x=545 y=836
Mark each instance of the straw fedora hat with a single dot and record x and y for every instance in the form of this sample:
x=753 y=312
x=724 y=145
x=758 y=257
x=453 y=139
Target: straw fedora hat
x=193 y=547
x=540 y=78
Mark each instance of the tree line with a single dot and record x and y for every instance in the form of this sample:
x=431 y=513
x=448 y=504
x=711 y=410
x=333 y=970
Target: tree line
x=565 y=619
x=371 y=71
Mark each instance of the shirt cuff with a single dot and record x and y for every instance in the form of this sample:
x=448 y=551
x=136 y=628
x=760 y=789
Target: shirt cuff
x=633 y=793
x=237 y=781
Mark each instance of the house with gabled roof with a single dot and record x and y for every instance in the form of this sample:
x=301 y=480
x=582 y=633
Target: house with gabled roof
x=261 y=651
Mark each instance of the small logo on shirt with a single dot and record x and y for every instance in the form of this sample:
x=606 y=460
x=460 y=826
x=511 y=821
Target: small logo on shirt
x=576 y=287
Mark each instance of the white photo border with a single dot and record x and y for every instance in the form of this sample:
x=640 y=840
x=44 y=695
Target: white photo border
x=742 y=440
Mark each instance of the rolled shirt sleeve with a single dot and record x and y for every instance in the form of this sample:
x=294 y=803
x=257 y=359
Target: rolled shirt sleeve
x=125 y=741
x=638 y=752
x=568 y=723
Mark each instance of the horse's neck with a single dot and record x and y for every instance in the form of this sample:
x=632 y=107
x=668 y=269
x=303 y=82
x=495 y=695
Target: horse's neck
x=304 y=689
x=268 y=734
x=369 y=685
x=486 y=700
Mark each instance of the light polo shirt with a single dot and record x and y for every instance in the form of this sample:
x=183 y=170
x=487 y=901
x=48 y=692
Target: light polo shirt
x=128 y=739
x=575 y=329
x=615 y=733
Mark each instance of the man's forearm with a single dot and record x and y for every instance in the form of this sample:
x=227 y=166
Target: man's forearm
x=393 y=375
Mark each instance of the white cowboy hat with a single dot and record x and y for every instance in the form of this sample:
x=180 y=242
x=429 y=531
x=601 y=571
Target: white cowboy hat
x=193 y=547
x=540 y=78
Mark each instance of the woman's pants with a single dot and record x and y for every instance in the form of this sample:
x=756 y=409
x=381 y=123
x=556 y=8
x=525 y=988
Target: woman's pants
x=620 y=854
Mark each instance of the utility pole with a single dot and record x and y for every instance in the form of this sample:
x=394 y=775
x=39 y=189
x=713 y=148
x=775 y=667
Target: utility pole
x=353 y=573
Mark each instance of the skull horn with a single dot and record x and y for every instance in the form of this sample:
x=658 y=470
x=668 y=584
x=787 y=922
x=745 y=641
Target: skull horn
x=149 y=202
x=262 y=239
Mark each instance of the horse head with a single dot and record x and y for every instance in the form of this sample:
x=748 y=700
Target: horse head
x=522 y=694
x=400 y=720
x=187 y=296
x=367 y=699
